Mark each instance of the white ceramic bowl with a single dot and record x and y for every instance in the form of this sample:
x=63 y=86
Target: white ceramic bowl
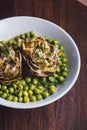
x=11 y=27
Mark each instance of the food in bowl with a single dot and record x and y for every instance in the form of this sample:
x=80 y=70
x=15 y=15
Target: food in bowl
x=10 y=64
x=32 y=67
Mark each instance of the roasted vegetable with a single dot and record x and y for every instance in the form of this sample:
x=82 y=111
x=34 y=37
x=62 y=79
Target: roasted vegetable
x=10 y=64
x=41 y=56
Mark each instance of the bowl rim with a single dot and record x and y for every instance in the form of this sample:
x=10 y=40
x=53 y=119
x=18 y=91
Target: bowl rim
x=17 y=105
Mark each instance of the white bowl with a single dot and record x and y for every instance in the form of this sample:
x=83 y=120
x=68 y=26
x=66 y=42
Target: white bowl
x=11 y=27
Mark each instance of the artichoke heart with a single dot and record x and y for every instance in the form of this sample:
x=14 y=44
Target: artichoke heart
x=10 y=65
x=41 y=56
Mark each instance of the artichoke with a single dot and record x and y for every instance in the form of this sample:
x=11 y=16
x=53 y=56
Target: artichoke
x=41 y=56
x=10 y=64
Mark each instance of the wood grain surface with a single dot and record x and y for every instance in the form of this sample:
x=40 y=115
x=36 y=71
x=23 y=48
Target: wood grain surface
x=70 y=112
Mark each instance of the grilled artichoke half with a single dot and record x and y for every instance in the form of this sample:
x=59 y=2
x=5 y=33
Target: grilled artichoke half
x=41 y=56
x=10 y=65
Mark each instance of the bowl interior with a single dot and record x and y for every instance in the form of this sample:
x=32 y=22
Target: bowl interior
x=14 y=26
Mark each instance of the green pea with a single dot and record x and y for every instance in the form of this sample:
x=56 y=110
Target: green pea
x=4 y=95
x=27 y=35
x=6 y=91
x=49 y=40
x=55 y=75
x=26 y=99
x=14 y=86
x=15 y=99
x=25 y=93
x=9 y=97
x=11 y=90
x=12 y=42
x=64 y=60
x=43 y=80
x=52 y=79
x=26 y=87
x=40 y=87
x=20 y=94
x=55 y=42
x=39 y=97
x=61 y=54
x=60 y=62
x=61 y=78
x=3 y=42
x=18 y=82
x=17 y=38
x=32 y=87
x=64 y=69
x=56 y=46
x=22 y=36
x=58 y=70
x=28 y=79
x=64 y=74
x=22 y=82
x=3 y=87
x=64 y=65
x=32 y=34
x=20 y=86
x=37 y=91
x=35 y=81
x=45 y=94
x=30 y=92
x=61 y=48
x=33 y=98
x=1 y=93
x=20 y=99
x=52 y=89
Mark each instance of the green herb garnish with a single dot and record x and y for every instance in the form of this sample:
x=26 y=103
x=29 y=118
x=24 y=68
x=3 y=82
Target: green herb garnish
x=4 y=49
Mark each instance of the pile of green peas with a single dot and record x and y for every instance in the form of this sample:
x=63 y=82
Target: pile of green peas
x=32 y=89
x=27 y=90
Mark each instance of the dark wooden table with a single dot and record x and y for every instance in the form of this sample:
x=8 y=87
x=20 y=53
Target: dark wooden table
x=70 y=112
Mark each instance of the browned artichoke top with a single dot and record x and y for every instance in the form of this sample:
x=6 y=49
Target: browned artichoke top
x=10 y=63
x=41 y=56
